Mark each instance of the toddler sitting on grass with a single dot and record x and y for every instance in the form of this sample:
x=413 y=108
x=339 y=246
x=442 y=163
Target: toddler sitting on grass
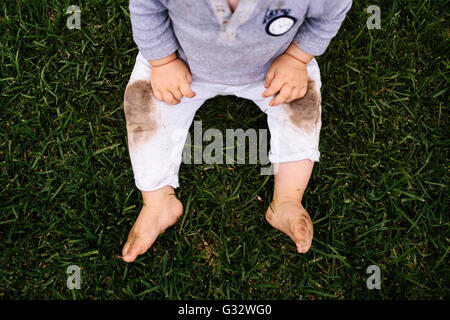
x=193 y=50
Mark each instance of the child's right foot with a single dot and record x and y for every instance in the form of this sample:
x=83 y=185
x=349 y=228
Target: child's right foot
x=161 y=210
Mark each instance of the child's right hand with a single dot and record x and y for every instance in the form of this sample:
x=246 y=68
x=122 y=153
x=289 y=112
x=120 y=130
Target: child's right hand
x=171 y=81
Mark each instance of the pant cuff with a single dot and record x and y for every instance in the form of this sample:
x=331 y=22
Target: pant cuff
x=312 y=155
x=171 y=181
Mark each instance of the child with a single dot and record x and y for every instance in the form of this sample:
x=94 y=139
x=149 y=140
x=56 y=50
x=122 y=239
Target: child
x=193 y=50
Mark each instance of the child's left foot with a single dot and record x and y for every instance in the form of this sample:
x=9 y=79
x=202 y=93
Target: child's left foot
x=291 y=218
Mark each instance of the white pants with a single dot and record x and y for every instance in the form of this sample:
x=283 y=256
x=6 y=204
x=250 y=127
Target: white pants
x=157 y=131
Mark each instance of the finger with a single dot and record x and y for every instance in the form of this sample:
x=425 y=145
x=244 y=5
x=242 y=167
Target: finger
x=187 y=91
x=158 y=94
x=303 y=91
x=189 y=78
x=295 y=94
x=282 y=97
x=176 y=93
x=269 y=77
x=275 y=86
x=168 y=98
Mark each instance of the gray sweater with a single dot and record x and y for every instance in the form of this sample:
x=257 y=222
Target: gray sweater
x=233 y=48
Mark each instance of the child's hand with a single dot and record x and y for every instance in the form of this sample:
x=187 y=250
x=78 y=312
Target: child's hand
x=171 y=81
x=287 y=76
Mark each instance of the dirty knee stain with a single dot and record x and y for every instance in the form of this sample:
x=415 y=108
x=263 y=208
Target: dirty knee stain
x=139 y=112
x=140 y=133
x=305 y=112
x=138 y=98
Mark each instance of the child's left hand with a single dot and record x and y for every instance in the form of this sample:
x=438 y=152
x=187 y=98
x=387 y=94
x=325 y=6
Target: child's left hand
x=288 y=77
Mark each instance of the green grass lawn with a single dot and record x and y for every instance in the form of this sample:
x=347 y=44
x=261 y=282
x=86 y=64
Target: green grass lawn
x=378 y=196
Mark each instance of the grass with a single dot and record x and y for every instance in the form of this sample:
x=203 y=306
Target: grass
x=378 y=196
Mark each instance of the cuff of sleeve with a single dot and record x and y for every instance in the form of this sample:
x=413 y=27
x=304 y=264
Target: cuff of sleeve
x=311 y=44
x=160 y=52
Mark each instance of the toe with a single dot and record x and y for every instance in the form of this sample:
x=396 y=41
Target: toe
x=269 y=215
x=301 y=237
x=303 y=248
x=299 y=232
x=130 y=252
x=125 y=248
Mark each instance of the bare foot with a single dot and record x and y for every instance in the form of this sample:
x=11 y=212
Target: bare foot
x=161 y=210
x=291 y=218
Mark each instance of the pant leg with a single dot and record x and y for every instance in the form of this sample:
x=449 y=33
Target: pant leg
x=294 y=127
x=156 y=130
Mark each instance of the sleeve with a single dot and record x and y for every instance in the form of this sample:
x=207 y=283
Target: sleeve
x=322 y=22
x=152 y=29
